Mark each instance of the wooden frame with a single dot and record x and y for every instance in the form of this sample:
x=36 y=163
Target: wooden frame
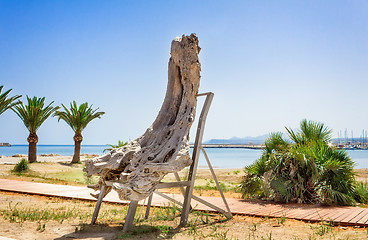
x=188 y=184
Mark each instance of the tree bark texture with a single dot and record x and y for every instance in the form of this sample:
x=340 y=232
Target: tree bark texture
x=32 y=147
x=78 y=138
x=164 y=147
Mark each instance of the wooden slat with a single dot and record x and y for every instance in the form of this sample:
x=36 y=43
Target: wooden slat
x=346 y=214
x=359 y=216
x=278 y=213
x=334 y=214
x=319 y=215
x=363 y=220
x=296 y=211
x=353 y=213
x=305 y=214
x=256 y=209
x=251 y=208
x=265 y=210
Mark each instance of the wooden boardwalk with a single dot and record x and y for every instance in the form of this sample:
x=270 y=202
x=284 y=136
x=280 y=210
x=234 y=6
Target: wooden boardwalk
x=339 y=215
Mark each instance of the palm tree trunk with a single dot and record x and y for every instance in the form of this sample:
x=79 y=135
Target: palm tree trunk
x=77 y=147
x=32 y=147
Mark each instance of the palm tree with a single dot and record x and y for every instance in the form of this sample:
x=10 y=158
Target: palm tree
x=7 y=102
x=78 y=117
x=33 y=115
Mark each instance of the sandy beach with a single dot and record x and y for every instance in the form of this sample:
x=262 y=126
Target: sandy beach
x=228 y=174
x=51 y=158
x=41 y=158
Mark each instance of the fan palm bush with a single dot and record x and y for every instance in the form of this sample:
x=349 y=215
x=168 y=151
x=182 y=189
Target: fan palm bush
x=361 y=192
x=305 y=169
x=33 y=115
x=7 y=102
x=78 y=117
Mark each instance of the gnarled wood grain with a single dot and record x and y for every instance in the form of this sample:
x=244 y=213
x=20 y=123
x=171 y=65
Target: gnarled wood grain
x=164 y=147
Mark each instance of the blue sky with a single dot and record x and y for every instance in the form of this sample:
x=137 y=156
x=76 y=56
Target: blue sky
x=269 y=63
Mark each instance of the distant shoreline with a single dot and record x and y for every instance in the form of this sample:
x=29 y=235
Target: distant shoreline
x=248 y=146
x=244 y=146
x=58 y=145
x=5 y=145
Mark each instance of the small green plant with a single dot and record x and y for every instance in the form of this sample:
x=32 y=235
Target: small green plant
x=165 y=229
x=112 y=146
x=311 y=237
x=204 y=216
x=331 y=223
x=139 y=230
x=221 y=235
x=21 y=166
x=166 y=213
x=322 y=229
x=41 y=227
x=236 y=172
x=269 y=237
x=192 y=228
x=281 y=220
x=253 y=227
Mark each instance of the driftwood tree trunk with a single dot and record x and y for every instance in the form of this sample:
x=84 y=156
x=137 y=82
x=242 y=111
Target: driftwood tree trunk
x=164 y=147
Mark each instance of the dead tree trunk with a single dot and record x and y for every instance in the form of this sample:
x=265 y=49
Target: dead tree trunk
x=164 y=147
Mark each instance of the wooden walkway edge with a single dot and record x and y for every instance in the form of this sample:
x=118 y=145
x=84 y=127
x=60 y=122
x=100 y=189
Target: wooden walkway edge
x=338 y=215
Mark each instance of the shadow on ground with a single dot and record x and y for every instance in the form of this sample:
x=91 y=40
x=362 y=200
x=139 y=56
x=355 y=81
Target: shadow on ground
x=143 y=231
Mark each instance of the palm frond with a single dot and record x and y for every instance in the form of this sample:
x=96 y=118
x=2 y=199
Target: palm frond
x=34 y=114
x=275 y=143
x=361 y=192
x=78 y=117
x=333 y=196
x=7 y=102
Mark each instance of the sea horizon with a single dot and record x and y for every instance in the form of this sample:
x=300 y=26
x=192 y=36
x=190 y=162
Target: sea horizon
x=56 y=145
x=219 y=157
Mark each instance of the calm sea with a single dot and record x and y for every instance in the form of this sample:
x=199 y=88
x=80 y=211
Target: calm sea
x=219 y=157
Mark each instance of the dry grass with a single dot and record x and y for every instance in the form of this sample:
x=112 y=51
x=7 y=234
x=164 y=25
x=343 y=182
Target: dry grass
x=56 y=218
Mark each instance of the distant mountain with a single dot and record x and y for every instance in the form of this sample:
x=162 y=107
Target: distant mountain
x=236 y=140
x=261 y=139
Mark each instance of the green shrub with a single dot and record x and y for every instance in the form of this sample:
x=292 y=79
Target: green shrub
x=305 y=170
x=112 y=146
x=21 y=166
x=361 y=192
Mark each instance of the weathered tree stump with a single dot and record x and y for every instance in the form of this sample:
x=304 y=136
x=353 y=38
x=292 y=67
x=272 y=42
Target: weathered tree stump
x=164 y=147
